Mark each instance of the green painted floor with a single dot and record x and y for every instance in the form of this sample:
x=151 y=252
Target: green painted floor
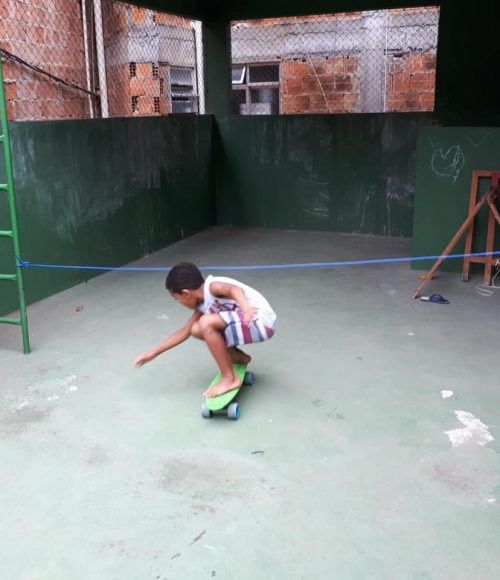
x=340 y=466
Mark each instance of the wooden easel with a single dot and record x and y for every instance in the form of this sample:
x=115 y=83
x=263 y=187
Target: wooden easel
x=489 y=198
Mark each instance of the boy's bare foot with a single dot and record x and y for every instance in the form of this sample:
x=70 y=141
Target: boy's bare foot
x=238 y=356
x=223 y=386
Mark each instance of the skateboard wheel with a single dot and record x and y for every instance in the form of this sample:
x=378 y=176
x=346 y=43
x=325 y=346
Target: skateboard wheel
x=249 y=378
x=205 y=411
x=233 y=411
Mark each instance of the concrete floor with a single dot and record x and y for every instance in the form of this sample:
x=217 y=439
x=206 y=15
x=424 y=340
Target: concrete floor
x=340 y=466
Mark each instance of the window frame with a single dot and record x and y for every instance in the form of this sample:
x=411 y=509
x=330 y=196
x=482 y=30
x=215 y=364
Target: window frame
x=191 y=95
x=246 y=86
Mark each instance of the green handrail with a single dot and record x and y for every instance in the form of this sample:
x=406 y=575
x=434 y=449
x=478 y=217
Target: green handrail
x=14 y=234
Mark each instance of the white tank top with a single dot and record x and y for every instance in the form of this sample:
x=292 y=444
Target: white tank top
x=213 y=304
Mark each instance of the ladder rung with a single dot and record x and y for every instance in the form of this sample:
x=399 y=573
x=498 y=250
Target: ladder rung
x=4 y=187
x=6 y=233
x=12 y=277
x=5 y=320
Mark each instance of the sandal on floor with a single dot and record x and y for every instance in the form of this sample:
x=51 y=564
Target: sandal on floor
x=436 y=298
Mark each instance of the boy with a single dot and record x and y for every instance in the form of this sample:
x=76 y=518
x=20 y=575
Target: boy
x=226 y=314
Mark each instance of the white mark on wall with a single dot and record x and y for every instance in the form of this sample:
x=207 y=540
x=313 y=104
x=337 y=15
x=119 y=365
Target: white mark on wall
x=448 y=164
x=397 y=197
x=365 y=203
x=447 y=394
x=314 y=197
x=490 y=500
x=474 y=431
x=477 y=141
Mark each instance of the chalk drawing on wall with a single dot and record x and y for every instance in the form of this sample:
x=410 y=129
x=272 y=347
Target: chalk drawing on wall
x=448 y=164
x=477 y=139
x=314 y=197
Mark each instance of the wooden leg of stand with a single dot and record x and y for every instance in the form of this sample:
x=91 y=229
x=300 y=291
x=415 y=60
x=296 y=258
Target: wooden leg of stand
x=490 y=239
x=454 y=241
x=470 y=230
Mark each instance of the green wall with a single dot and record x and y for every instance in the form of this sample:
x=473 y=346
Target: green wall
x=445 y=161
x=343 y=173
x=105 y=192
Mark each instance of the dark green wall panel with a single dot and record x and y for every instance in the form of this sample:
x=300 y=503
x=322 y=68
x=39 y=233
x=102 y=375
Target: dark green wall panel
x=105 y=193
x=445 y=160
x=342 y=173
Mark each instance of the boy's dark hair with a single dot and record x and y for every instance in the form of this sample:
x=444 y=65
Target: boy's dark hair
x=183 y=276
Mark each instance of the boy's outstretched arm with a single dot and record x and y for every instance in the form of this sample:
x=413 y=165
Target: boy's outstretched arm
x=173 y=340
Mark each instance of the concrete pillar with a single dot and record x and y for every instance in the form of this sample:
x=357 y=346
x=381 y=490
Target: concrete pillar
x=217 y=66
x=373 y=62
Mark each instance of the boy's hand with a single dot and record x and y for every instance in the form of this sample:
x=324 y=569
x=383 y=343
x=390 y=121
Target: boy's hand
x=144 y=358
x=248 y=315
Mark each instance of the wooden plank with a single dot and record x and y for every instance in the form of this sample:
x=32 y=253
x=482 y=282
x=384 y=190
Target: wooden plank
x=456 y=238
x=490 y=240
x=470 y=230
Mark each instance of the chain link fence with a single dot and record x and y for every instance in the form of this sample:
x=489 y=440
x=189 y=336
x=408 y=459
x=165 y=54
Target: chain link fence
x=357 y=62
x=80 y=59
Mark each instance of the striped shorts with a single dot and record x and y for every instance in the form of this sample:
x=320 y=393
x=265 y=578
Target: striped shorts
x=237 y=332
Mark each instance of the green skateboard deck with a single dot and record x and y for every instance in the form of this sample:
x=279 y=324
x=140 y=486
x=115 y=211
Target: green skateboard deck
x=219 y=402
x=223 y=402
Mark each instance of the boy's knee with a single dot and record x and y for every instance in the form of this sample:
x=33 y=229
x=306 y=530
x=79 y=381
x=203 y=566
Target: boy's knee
x=204 y=324
x=207 y=323
x=199 y=328
x=196 y=330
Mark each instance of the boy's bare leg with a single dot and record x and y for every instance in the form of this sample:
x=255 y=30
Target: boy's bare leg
x=209 y=328
x=238 y=356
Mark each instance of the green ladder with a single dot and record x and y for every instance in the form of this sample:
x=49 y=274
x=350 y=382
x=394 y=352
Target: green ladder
x=12 y=234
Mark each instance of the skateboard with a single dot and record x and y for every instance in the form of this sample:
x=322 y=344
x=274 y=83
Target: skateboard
x=222 y=403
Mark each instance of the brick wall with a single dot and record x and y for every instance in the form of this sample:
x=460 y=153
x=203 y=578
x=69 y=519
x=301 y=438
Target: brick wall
x=138 y=87
x=293 y=19
x=48 y=34
x=346 y=62
x=331 y=84
x=327 y=85
x=410 y=82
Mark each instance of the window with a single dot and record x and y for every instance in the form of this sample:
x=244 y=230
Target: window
x=256 y=89
x=183 y=90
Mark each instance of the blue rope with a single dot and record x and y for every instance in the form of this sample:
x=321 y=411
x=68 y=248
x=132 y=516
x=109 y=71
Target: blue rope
x=25 y=264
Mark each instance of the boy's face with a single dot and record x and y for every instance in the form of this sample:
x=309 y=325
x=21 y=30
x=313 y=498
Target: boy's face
x=186 y=298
